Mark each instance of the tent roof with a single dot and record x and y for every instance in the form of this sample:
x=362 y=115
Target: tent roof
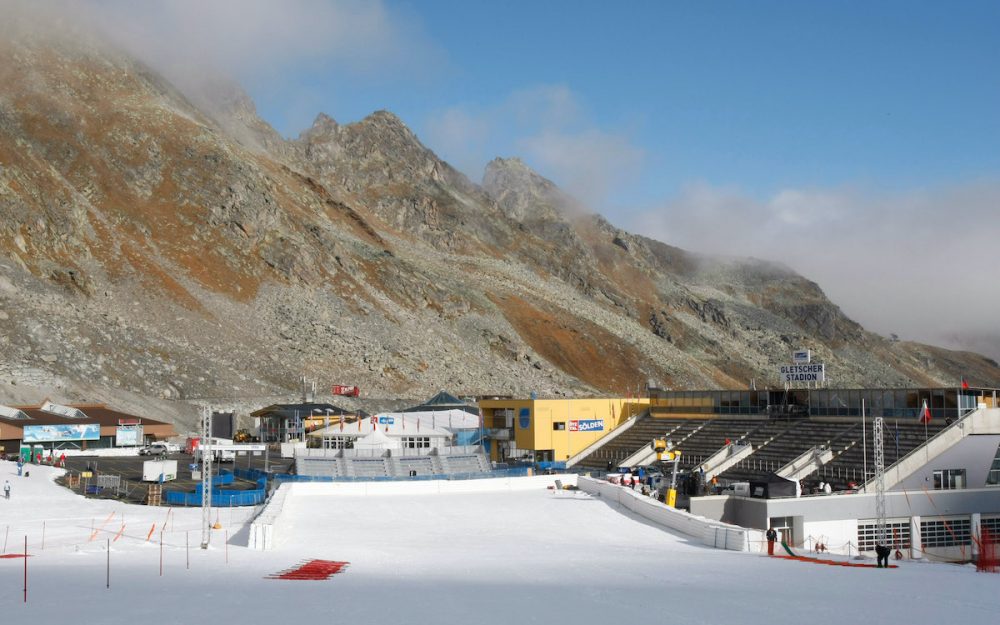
x=441 y=401
x=376 y=439
x=289 y=411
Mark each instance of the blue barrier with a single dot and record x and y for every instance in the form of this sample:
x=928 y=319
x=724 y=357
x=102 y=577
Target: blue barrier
x=252 y=497
x=221 y=497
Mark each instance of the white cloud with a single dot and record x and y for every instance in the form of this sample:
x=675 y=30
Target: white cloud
x=546 y=125
x=921 y=264
x=270 y=47
x=589 y=164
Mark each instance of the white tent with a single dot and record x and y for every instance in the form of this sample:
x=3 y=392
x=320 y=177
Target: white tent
x=429 y=422
x=377 y=439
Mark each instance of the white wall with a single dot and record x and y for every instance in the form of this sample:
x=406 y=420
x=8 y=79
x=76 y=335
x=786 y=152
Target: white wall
x=973 y=453
x=712 y=533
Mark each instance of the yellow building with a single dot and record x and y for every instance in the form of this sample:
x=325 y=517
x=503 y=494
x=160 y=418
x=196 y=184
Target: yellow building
x=551 y=430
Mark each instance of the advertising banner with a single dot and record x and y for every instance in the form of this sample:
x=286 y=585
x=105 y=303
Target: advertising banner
x=347 y=391
x=128 y=436
x=586 y=425
x=64 y=432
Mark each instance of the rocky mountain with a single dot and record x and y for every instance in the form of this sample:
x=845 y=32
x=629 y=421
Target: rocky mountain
x=160 y=246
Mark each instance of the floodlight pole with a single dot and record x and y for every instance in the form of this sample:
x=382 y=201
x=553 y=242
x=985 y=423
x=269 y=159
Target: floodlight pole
x=206 y=476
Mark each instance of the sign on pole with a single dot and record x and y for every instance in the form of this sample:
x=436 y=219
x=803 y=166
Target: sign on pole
x=802 y=357
x=791 y=374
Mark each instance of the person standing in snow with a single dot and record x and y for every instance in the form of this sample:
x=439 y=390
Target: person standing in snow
x=771 y=537
x=882 y=556
x=6 y=489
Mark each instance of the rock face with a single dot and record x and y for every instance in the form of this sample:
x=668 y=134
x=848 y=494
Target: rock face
x=160 y=246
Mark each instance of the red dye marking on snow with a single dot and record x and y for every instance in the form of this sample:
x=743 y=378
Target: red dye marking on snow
x=13 y=555
x=312 y=570
x=833 y=562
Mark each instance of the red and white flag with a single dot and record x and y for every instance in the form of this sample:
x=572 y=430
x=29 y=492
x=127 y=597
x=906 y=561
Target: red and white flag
x=965 y=384
x=925 y=414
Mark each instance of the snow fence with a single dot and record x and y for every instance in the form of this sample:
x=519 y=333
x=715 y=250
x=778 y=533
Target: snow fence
x=711 y=532
x=267 y=530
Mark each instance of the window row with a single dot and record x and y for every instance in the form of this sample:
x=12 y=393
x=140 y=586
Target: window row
x=897 y=534
x=944 y=533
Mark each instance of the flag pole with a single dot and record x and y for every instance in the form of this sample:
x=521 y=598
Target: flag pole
x=864 y=449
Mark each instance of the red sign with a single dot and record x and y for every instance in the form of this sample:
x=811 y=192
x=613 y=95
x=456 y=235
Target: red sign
x=347 y=391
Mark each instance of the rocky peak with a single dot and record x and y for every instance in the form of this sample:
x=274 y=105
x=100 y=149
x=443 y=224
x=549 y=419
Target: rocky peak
x=322 y=126
x=521 y=193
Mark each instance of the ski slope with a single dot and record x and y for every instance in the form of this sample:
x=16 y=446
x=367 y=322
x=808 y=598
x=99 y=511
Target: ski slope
x=521 y=555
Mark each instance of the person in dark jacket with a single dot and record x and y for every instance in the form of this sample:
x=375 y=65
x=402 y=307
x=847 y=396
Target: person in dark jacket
x=772 y=536
x=882 y=556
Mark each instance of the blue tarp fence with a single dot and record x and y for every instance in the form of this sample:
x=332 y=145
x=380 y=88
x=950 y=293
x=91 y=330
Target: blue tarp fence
x=252 y=497
x=223 y=497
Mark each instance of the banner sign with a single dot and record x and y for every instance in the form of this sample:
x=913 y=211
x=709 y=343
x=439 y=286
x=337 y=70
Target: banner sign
x=586 y=425
x=383 y=420
x=801 y=357
x=803 y=373
x=64 y=432
x=128 y=436
x=347 y=391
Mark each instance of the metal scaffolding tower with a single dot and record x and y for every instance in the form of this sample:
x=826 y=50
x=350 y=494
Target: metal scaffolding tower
x=880 y=537
x=205 y=446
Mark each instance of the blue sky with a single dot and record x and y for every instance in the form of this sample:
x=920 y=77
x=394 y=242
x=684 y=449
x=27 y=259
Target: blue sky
x=856 y=142
x=755 y=95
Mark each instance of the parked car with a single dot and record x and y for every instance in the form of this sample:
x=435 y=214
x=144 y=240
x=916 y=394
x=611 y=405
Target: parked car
x=155 y=449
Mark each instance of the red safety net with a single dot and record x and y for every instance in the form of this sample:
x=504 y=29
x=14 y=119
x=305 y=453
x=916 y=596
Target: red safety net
x=315 y=570
x=988 y=561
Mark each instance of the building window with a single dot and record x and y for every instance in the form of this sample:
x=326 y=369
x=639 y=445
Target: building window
x=993 y=477
x=949 y=479
x=945 y=533
x=416 y=442
x=897 y=534
x=989 y=530
x=559 y=425
x=339 y=442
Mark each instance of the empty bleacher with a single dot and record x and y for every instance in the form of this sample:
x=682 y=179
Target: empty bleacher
x=643 y=431
x=850 y=453
x=472 y=463
x=776 y=442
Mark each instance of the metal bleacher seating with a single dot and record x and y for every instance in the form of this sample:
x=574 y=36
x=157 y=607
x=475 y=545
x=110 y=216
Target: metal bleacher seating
x=776 y=442
x=643 y=431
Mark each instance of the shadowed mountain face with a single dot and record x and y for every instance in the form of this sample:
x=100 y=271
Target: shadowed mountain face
x=176 y=250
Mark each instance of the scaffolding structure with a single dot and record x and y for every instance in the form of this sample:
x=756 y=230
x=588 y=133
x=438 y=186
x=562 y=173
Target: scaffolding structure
x=205 y=444
x=880 y=523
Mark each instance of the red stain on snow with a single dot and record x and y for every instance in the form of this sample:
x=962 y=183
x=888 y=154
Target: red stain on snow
x=312 y=570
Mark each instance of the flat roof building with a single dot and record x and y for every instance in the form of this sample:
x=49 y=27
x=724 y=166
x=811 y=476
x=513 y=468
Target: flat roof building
x=77 y=426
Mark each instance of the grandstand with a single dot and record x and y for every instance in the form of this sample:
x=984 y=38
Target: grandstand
x=776 y=442
x=353 y=464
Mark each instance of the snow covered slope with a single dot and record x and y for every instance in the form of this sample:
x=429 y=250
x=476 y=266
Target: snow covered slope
x=481 y=556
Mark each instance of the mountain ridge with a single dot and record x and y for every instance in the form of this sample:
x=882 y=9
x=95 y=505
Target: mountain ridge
x=160 y=250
